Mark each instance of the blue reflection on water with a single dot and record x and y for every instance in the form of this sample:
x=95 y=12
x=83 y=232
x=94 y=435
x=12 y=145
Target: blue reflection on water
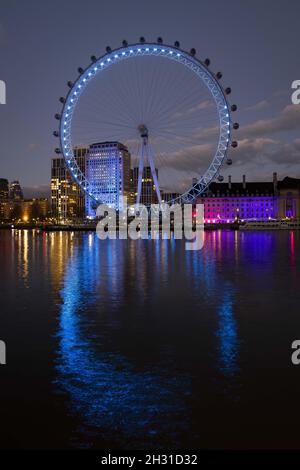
x=104 y=389
x=220 y=293
x=228 y=336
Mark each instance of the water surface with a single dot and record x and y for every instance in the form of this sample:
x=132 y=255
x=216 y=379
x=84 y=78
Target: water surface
x=142 y=344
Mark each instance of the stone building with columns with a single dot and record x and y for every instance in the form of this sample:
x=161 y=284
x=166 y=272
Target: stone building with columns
x=231 y=201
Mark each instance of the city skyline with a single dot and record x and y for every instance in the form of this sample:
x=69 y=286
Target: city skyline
x=269 y=122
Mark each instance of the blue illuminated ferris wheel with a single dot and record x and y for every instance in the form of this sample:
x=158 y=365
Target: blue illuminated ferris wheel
x=164 y=104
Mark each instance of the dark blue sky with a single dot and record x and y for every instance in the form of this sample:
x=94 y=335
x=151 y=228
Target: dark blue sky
x=254 y=43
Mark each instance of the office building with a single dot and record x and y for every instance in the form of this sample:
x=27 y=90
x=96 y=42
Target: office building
x=15 y=191
x=107 y=168
x=67 y=199
x=148 y=193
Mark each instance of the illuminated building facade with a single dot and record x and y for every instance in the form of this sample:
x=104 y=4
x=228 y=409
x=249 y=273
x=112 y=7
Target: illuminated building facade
x=148 y=193
x=25 y=210
x=228 y=202
x=107 y=168
x=67 y=200
x=4 y=189
x=289 y=198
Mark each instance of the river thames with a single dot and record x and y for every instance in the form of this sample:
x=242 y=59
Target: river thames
x=142 y=344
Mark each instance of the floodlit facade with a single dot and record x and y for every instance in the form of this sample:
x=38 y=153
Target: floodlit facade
x=67 y=199
x=228 y=202
x=107 y=168
x=25 y=210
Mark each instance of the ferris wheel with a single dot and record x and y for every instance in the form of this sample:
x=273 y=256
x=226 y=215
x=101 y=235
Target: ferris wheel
x=164 y=104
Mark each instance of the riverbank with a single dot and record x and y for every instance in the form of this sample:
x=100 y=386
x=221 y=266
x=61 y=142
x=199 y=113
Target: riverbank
x=92 y=227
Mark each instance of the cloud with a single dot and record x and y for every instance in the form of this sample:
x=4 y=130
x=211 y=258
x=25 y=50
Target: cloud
x=203 y=105
x=34 y=147
x=260 y=105
x=266 y=150
x=288 y=120
x=189 y=158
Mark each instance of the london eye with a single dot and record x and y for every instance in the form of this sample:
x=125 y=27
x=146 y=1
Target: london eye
x=164 y=104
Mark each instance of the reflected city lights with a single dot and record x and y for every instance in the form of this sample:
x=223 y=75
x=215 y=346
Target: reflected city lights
x=104 y=387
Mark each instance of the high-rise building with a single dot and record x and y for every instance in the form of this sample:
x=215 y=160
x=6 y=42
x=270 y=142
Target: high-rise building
x=15 y=191
x=148 y=193
x=67 y=199
x=4 y=189
x=107 y=169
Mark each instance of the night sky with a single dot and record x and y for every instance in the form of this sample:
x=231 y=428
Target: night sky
x=254 y=43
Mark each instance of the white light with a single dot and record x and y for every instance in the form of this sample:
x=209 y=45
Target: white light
x=139 y=50
x=155 y=49
x=170 y=52
x=123 y=53
x=147 y=49
x=102 y=63
x=79 y=86
x=162 y=50
x=84 y=80
x=75 y=93
x=108 y=60
x=131 y=51
x=178 y=55
x=116 y=56
x=95 y=68
x=89 y=74
x=69 y=107
x=67 y=115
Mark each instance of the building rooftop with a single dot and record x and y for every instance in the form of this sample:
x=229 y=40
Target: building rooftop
x=245 y=188
x=109 y=144
x=238 y=189
x=289 y=183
